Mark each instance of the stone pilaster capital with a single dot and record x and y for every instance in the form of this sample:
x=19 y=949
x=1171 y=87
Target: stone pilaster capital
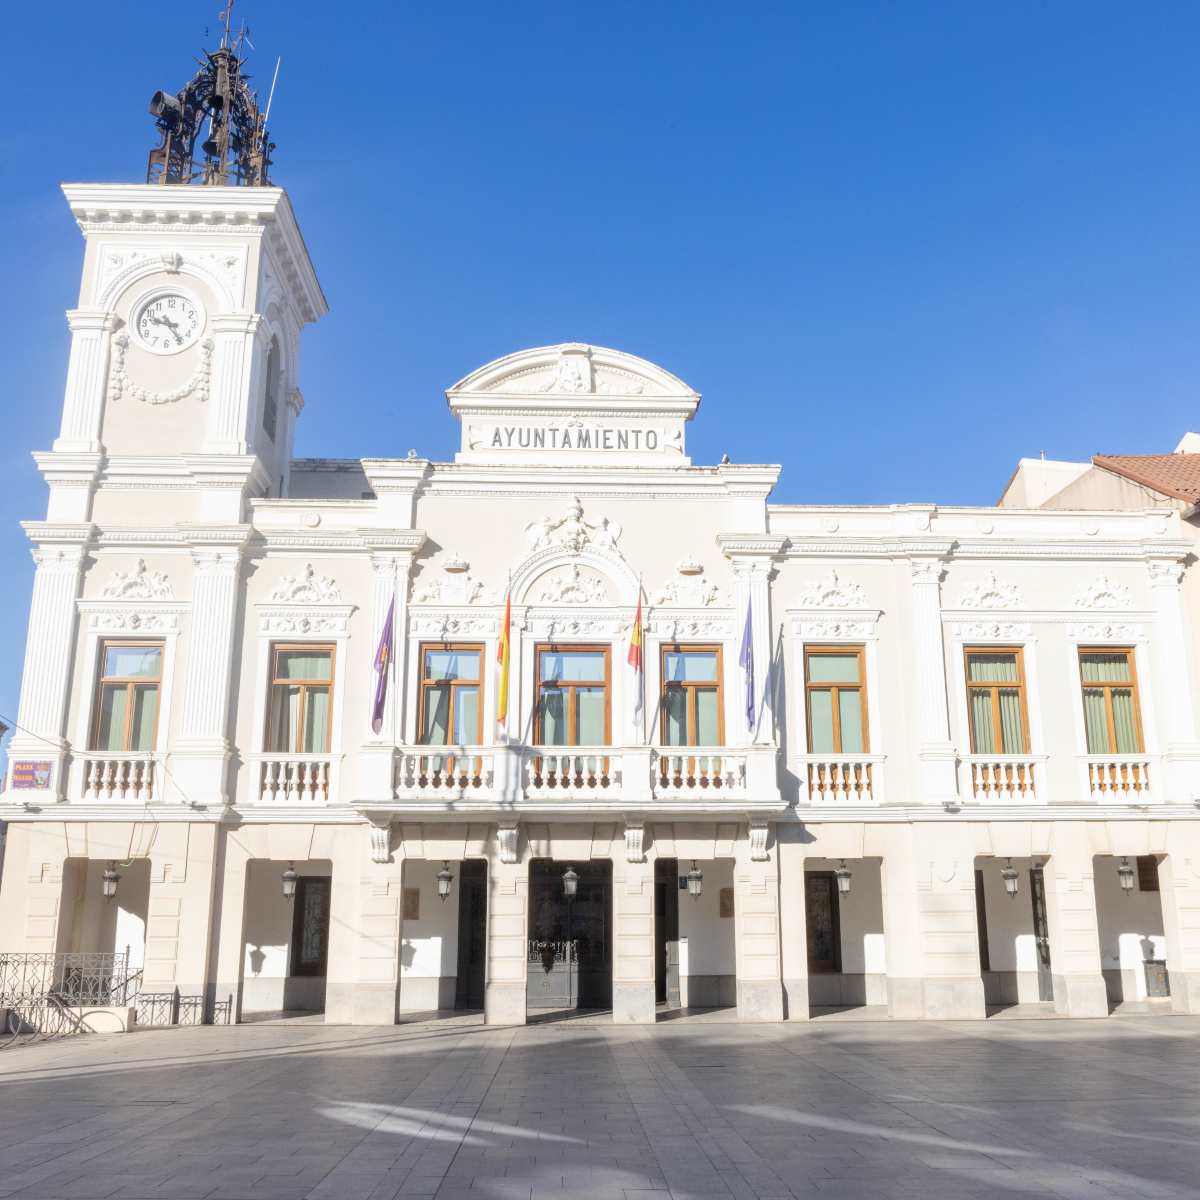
x=92 y=320
x=1165 y=572
x=236 y=323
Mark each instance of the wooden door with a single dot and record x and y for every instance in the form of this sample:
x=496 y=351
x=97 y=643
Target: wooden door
x=1041 y=933
x=824 y=929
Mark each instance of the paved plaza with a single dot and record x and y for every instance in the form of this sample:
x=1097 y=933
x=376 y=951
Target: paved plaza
x=453 y=1109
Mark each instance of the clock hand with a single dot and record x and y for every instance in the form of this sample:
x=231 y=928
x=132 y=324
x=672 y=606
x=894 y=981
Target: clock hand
x=170 y=325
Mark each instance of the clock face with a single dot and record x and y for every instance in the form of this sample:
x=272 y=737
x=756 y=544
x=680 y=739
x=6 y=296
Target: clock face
x=168 y=322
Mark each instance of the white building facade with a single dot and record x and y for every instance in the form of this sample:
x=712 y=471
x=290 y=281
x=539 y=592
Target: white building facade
x=933 y=759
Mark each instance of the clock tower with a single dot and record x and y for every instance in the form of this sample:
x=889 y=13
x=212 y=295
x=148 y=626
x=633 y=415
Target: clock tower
x=185 y=342
x=181 y=400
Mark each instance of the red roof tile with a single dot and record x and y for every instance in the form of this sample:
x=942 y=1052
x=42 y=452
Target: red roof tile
x=1176 y=475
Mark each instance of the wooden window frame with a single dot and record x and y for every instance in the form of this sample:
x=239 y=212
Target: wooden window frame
x=540 y=686
x=130 y=683
x=1019 y=686
x=273 y=681
x=425 y=685
x=860 y=652
x=691 y=688
x=1131 y=684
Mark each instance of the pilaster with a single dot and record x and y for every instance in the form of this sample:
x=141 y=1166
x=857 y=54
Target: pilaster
x=936 y=755
x=234 y=374
x=633 y=935
x=756 y=932
x=87 y=378
x=1174 y=662
x=59 y=553
x=507 y=935
x=201 y=755
x=930 y=925
x=180 y=912
x=1179 y=880
x=377 y=998
x=793 y=922
x=1073 y=924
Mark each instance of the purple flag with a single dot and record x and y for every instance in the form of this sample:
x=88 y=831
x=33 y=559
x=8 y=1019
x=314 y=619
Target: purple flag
x=383 y=664
x=746 y=661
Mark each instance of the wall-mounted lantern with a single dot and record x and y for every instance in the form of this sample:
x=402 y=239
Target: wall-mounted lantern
x=289 y=879
x=843 y=876
x=570 y=883
x=1011 y=877
x=109 y=880
x=445 y=879
x=695 y=881
x=1125 y=874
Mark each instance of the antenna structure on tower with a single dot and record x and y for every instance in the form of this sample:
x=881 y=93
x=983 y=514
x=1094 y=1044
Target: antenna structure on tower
x=236 y=148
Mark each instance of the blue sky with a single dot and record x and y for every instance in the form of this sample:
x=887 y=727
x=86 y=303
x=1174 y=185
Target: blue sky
x=895 y=246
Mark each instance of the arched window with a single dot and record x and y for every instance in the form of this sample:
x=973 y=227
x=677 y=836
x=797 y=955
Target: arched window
x=271 y=398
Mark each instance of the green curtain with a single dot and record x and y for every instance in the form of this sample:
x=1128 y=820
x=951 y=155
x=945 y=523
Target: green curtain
x=992 y=668
x=1095 y=721
x=590 y=717
x=316 y=722
x=850 y=719
x=707 y=717
x=1012 y=728
x=833 y=668
x=983 y=734
x=437 y=711
x=675 y=708
x=466 y=716
x=1125 y=721
x=820 y=720
x=302 y=664
x=111 y=733
x=145 y=712
x=553 y=718
x=1104 y=668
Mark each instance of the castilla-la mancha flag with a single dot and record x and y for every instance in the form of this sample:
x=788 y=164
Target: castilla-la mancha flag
x=503 y=654
x=634 y=657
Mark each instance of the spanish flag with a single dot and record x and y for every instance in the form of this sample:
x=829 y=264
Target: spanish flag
x=503 y=655
x=634 y=657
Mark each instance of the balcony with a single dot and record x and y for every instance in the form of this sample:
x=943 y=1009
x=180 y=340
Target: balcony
x=1002 y=778
x=118 y=778
x=844 y=779
x=1116 y=778
x=294 y=779
x=563 y=778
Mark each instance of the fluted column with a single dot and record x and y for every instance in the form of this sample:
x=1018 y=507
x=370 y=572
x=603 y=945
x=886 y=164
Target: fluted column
x=200 y=757
x=49 y=652
x=87 y=378
x=935 y=752
x=1174 y=662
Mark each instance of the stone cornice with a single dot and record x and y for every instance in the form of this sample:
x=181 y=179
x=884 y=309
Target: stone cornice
x=215 y=536
x=139 y=207
x=751 y=545
x=54 y=533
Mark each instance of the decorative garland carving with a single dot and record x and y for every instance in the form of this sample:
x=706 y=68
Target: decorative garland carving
x=832 y=592
x=121 y=385
x=991 y=593
x=1102 y=592
x=138 y=584
x=306 y=588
